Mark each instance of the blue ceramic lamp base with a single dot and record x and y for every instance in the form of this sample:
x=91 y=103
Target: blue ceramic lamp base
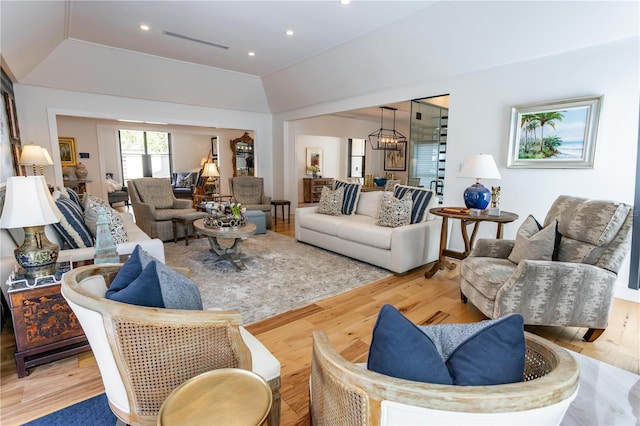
x=477 y=197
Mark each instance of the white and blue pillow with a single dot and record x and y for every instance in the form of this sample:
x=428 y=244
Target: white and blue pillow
x=489 y=352
x=71 y=227
x=156 y=285
x=420 y=197
x=351 y=195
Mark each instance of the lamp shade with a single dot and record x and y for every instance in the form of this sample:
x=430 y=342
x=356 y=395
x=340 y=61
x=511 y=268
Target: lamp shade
x=480 y=166
x=47 y=157
x=28 y=203
x=210 y=170
x=33 y=154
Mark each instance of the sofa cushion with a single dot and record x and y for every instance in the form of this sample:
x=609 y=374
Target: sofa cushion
x=533 y=242
x=351 y=194
x=421 y=200
x=91 y=207
x=331 y=201
x=159 y=286
x=394 y=212
x=400 y=349
x=361 y=229
x=369 y=203
x=71 y=227
x=322 y=223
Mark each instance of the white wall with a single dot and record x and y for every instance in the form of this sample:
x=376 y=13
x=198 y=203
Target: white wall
x=38 y=109
x=479 y=121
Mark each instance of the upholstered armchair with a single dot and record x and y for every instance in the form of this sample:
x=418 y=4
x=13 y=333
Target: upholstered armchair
x=576 y=289
x=154 y=205
x=144 y=353
x=249 y=191
x=184 y=184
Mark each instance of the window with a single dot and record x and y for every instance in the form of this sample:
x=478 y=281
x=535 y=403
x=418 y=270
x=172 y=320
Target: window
x=145 y=154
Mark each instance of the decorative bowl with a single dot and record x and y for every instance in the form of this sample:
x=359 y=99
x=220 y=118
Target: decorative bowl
x=227 y=221
x=380 y=181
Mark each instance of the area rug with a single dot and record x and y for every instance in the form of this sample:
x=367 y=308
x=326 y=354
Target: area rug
x=282 y=274
x=93 y=411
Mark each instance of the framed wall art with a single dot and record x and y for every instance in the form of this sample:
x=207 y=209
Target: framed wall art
x=396 y=159
x=67 y=151
x=554 y=135
x=314 y=161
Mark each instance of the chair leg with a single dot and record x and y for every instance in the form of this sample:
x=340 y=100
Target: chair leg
x=463 y=297
x=592 y=334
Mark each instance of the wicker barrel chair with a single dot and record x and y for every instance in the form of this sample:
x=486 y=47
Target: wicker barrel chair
x=343 y=393
x=144 y=353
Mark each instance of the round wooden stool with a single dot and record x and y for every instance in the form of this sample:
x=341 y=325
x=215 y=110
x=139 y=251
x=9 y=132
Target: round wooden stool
x=282 y=203
x=228 y=396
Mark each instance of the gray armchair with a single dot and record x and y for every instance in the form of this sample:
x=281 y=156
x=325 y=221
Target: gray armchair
x=249 y=191
x=575 y=290
x=154 y=205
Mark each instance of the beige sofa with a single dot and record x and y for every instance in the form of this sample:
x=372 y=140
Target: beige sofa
x=357 y=236
x=9 y=243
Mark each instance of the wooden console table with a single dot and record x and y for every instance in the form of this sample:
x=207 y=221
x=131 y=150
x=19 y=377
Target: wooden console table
x=465 y=219
x=313 y=188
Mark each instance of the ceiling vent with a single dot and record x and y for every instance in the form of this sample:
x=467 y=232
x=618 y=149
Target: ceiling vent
x=197 y=40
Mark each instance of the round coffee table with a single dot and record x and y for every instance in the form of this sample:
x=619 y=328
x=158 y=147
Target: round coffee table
x=228 y=396
x=238 y=235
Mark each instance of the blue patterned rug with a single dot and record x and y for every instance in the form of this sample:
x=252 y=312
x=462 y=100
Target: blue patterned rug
x=91 y=412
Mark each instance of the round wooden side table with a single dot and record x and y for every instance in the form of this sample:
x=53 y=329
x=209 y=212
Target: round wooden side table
x=228 y=396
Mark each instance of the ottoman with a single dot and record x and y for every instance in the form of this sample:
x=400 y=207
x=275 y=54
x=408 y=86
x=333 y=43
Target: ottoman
x=257 y=217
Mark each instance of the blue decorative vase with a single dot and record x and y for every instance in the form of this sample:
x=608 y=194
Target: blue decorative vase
x=477 y=197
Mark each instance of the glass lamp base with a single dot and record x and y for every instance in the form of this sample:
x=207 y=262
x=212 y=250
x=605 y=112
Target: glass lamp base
x=477 y=197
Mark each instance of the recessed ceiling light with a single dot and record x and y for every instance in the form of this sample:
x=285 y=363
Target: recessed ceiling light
x=289 y=32
x=251 y=53
x=345 y=1
x=144 y=27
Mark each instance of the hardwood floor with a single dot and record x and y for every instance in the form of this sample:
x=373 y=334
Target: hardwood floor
x=347 y=318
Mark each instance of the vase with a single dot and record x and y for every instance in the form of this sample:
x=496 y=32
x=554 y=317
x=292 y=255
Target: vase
x=314 y=175
x=81 y=171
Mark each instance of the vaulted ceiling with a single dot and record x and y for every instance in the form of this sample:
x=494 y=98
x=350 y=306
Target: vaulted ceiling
x=336 y=51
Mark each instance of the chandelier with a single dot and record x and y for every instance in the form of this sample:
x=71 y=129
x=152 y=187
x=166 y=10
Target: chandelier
x=386 y=139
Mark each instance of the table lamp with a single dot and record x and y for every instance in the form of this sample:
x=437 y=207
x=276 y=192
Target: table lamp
x=35 y=155
x=479 y=166
x=210 y=171
x=28 y=204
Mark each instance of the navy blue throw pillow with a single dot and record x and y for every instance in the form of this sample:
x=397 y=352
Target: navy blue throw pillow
x=483 y=353
x=130 y=270
x=400 y=349
x=160 y=286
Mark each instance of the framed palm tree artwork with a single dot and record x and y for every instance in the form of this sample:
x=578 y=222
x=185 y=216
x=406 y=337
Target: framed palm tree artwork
x=554 y=135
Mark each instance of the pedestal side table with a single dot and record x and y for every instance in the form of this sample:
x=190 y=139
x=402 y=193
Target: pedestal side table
x=466 y=219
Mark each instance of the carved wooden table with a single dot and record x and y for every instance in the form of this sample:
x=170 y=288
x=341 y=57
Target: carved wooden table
x=465 y=220
x=45 y=327
x=238 y=235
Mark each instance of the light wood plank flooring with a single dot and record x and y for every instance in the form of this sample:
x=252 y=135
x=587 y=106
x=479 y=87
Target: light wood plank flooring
x=347 y=318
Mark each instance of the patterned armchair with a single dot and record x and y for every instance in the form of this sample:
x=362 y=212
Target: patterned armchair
x=249 y=191
x=576 y=289
x=154 y=205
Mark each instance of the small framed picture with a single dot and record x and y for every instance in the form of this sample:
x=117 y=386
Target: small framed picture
x=67 y=151
x=554 y=135
x=314 y=161
x=396 y=159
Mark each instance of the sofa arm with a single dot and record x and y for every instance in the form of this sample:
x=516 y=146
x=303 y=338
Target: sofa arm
x=487 y=247
x=416 y=244
x=265 y=199
x=182 y=204
x=558 y=293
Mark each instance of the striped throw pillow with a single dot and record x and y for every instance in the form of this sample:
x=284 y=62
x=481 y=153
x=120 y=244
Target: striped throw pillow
x=351 y=195
x=420 y=197
x=71 y=226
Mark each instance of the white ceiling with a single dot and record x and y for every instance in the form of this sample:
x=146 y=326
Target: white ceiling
x=243 y=26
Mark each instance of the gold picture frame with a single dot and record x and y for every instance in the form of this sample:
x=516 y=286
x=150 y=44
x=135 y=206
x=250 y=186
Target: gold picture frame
x=67 y=151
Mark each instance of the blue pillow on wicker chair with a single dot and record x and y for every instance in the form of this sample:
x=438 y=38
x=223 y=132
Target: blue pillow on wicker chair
x=130 y=270
x=484 y=353
x=162 y=287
